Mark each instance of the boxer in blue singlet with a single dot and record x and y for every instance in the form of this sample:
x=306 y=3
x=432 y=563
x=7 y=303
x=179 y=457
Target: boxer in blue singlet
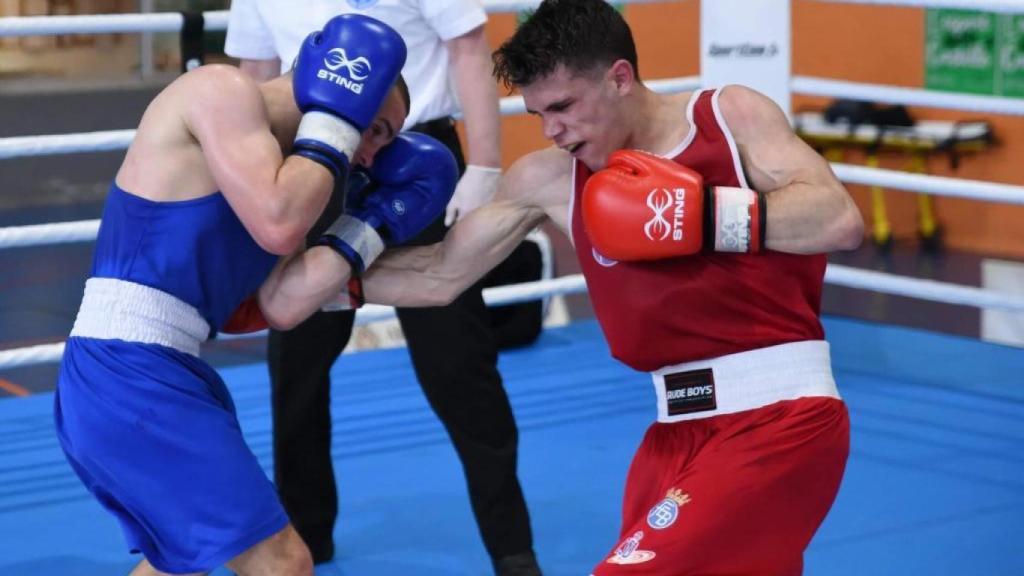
x=202 y=208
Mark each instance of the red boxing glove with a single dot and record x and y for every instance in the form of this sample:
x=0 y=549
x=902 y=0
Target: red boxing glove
x=246 y=318
x=644 y=207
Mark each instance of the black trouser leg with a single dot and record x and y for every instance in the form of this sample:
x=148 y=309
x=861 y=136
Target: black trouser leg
x=455 y=357
x=300 y=363
x=517 y=324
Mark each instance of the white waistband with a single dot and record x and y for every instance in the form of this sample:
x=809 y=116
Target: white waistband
x=119 y=310
x=744 y=381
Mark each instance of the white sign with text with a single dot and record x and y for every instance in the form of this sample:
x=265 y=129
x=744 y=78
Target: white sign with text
x=747 y=42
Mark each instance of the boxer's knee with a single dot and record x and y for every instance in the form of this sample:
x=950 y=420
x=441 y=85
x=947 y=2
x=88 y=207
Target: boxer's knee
x=283 y=554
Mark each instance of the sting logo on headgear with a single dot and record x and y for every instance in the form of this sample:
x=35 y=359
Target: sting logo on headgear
x=659 y=201
x=358 y=70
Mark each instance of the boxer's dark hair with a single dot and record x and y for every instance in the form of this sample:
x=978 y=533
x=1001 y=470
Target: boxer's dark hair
x=578 y=34
x=403 y=91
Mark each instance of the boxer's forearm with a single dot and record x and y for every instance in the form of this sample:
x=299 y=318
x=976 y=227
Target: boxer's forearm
x=301 y=284
x=410 y=277
x=435 y=275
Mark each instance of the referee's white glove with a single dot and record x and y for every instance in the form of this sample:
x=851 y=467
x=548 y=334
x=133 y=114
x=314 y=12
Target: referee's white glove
x=476 y=188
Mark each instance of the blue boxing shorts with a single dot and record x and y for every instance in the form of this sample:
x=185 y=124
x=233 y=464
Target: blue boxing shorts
x=152 y=433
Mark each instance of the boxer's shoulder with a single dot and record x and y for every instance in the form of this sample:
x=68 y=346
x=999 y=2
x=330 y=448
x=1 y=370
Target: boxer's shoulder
x=218 y=83
x=539 y=178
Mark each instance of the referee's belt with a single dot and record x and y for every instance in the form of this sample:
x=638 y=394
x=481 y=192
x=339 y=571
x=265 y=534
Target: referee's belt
x=744 y=381
x=434 y=126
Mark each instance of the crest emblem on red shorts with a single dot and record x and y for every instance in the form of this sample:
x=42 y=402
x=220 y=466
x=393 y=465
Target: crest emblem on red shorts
x=664 y=513
x=629 y=553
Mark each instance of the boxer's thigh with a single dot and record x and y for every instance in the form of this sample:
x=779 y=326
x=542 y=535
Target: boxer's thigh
x=748 y=502
x=155 y=438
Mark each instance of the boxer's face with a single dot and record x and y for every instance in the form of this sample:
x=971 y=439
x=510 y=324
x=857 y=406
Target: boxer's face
x=580 y=112
x=385 y=127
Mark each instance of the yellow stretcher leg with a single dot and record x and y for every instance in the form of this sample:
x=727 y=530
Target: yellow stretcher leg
x=881 y=231
x=927 y=226
x=833 y=154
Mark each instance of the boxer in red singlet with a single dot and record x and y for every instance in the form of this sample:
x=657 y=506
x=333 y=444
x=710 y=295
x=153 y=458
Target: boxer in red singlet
x=700 y=222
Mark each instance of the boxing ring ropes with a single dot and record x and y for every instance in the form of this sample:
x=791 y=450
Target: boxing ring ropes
x=102 y=141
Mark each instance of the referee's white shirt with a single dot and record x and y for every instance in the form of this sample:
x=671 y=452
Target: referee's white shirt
x=265 y=29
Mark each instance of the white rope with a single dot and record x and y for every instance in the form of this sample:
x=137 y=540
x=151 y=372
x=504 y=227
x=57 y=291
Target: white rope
x=108 y=140
x=45 y=234
x=932 y=290
x=217 y=20
x=574 y=284
x=213 y=20
x=31 y=355
x=908 y=96
x=85 y=230
x=516 y=293
x=102 y=141
x=1006 y=6
x=105 y=23
x=936 y=185
x=496 y=296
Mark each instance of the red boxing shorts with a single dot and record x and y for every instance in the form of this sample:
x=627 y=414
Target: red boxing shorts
x=737 y=493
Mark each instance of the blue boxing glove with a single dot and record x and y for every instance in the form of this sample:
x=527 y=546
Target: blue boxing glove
x=412 y=180
x=342 y=75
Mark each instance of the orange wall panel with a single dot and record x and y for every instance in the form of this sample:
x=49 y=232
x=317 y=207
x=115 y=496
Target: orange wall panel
x=885 y=45
x=859 y=43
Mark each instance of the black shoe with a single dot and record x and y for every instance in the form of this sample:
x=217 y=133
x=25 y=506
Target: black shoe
x=323 y=552
x=522 y=564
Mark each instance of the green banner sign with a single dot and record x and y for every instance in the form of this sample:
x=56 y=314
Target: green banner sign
x=1010 y=68
x=960 y=51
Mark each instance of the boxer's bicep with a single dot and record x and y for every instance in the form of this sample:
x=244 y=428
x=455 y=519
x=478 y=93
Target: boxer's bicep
x=229 y=120
x=808 y=210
